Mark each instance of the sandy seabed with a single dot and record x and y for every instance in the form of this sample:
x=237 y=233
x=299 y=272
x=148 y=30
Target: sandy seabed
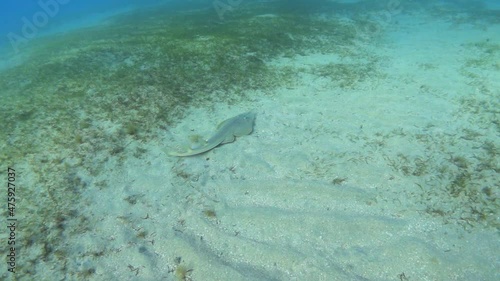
x=309 y=195
x=315 y=192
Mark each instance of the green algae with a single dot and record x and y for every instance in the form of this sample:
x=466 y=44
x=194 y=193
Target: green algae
x=347 y=75
x=168 y=62
x=80 y=98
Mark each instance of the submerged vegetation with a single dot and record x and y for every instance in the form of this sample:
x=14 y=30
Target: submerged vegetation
x=86 y=97
x=347 y=75
x=458 y=12
x=81 y=98
x=459 y=179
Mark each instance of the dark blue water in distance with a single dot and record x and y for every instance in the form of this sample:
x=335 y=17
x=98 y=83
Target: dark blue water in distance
x=12 y=12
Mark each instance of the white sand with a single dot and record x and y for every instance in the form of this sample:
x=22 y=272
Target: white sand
x=279 y=213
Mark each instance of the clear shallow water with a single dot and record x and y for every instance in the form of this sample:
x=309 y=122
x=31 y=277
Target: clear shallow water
x=375 y=145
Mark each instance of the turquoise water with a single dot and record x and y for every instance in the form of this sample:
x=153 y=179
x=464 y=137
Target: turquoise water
x=374 y=153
